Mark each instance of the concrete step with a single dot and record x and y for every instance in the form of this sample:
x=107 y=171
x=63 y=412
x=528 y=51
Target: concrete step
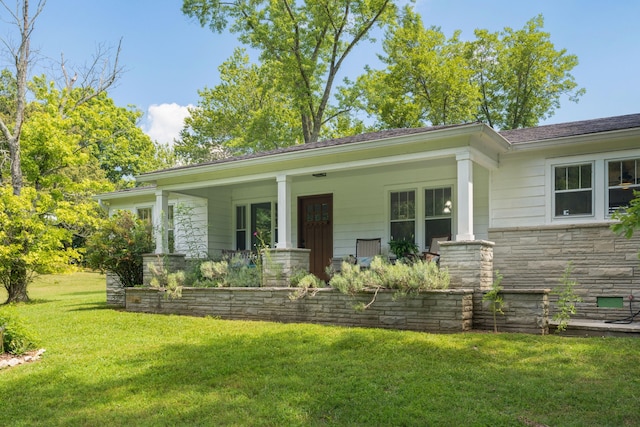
x=598 y=328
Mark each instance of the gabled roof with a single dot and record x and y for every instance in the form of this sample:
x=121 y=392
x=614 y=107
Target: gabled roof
x=562 y=130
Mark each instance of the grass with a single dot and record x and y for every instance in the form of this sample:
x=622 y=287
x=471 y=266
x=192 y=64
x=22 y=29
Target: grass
x=108 y=367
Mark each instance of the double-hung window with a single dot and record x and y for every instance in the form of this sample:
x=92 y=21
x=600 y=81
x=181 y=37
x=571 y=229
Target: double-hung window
x=171 y=229
x=241 y=228
x=623 y=180
x=144 y=214
x=573 y=190
x=256 y=224
x=403 y=215
x=437 y=213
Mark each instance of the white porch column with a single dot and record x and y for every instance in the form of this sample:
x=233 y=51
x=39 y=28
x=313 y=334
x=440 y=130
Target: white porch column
x=284 y=212
x=464 y=208
x=161 y=222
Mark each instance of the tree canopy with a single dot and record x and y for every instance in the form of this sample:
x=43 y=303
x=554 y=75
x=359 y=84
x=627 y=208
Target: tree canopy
x=521 y=75
x=508 y=79
x=427 y=78
x=303 y=45
x=246 y=112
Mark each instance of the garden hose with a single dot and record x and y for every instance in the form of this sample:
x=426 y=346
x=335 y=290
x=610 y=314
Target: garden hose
x=631 y=316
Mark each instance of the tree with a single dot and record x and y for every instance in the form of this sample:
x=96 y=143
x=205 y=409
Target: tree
x=8 y=96
x=508 y=79
x=21 y=56
x=245 y=113
x=50 y=193
x=427 y=78
x=30 y=240
x=305 y=45
x=521 y=75
x=63 y=131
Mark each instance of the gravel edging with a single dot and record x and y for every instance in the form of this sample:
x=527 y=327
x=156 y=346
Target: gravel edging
x=9 y=361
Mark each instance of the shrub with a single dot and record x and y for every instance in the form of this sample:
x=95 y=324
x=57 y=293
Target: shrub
x=405 y=278
x=171 y=282
x=496 y=302
x=233 y=273
x=118 y=246
x=567 y=299
x=16 y=336
x=305 y=284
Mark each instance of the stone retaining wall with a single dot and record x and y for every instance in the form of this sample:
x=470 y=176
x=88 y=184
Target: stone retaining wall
x=170 y=262
x=434 y=311
x=525 y=310
x=115 y=291
x=604 y=264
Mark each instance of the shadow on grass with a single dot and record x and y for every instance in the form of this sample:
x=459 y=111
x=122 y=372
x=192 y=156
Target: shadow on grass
x=324 y=376
x=84 y=293
x=90 y=307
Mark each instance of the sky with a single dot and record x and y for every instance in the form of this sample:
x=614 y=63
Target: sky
x=168 y=57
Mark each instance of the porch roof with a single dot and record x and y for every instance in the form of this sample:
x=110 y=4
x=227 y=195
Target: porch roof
x=388 y=146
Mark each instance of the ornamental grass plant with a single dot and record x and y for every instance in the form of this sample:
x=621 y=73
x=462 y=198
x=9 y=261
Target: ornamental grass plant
x=109 y=367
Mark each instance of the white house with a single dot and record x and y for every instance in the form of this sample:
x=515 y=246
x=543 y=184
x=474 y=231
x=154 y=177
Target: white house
x=543 y=195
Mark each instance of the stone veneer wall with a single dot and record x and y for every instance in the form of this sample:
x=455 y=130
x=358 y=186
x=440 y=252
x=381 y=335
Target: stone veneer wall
x=115 y=291
x=604 y=264
x=435 y=311
x=278 y=265
x=525 y=311
x=470 y=263
x=172 y=262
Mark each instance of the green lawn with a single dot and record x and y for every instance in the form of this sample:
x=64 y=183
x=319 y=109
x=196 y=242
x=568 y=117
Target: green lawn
x=107 y=367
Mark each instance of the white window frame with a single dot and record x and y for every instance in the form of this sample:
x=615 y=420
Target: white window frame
x=248 y=231
x=171 y=227
x=600 y=186
x=597 y=196
x=419 y=189
x=145 y=207
x=450 y=216
x=417 y=200
x=608 y=187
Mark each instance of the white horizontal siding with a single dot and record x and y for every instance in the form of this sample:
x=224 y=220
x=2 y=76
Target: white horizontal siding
x=191 y=223
x=518 y=194
x=220 y=221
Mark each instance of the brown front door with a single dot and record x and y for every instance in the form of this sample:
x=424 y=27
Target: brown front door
x=315 y=231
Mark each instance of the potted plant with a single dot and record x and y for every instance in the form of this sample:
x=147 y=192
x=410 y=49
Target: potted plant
x=403 y=248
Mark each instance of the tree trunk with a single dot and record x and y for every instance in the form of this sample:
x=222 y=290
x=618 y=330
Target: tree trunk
x=16 y=169
x=17 y=283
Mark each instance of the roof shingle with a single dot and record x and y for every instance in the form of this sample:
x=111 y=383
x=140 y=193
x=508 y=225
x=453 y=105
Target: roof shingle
x=582 y=127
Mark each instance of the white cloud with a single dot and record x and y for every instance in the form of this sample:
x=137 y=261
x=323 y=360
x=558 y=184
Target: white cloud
x=164 y=121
